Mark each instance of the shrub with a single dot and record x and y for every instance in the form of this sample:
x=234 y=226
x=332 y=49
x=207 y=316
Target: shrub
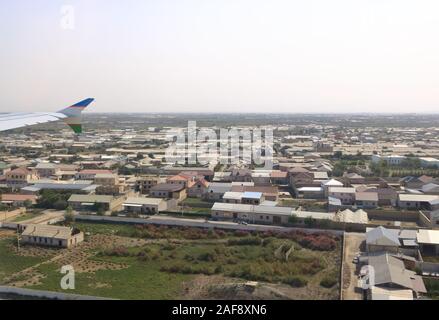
x=240 y=233
x=328 y=282
x=116 y=252
x=207 y=257
x=297 y=282
x=248 y=241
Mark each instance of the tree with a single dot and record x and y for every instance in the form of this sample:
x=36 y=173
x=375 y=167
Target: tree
x=309 y=221
x=60 y=204
x=338 y=154
x=27 y=204
x=101 y=211
x=68 y=215
x=293 y=219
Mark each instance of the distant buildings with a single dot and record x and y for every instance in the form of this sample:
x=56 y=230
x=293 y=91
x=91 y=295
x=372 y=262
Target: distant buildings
x=143 y=205
x=391 y=160
x=20 y=177
x=94 y=202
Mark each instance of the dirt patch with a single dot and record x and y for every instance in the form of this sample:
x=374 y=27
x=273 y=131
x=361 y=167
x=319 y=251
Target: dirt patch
x=6 y=234
x=80 y=257
x=353 y=244
x=219 y=287
x=98 y=285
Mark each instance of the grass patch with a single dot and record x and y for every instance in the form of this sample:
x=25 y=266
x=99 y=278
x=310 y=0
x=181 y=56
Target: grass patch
x=158 y=269
x=432 y=286
x=138 y=281
x=10 y=262
x=27 y=216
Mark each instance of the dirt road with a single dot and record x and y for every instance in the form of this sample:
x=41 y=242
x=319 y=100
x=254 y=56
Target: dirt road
x=353 y=243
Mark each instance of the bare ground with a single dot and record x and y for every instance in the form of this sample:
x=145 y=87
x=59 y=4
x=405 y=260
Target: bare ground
x=353 y=242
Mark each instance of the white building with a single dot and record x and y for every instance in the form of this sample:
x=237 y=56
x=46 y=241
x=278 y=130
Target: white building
x=392 y=160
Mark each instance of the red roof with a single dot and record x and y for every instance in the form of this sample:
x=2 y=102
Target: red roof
x=279 y=174
x=18 y=197
x=179 y=177
x=19 y=171
x=94 y=171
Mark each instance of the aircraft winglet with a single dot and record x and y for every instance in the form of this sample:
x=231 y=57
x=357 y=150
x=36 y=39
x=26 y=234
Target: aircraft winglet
x=74 y=114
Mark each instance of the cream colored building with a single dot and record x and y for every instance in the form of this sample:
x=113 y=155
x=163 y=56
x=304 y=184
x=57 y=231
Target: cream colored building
x=53 y=236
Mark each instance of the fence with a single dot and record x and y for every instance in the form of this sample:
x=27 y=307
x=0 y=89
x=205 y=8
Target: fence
x=5 y=215
x=41 y=294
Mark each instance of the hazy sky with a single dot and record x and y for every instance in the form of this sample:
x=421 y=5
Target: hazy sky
x=221 y=55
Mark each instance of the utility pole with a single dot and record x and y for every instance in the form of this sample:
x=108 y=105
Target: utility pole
x=18 y=238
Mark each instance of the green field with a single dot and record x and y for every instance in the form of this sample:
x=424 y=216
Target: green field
x=27 y=216
x=164 y=259
x=432 y=286
x=11 y=262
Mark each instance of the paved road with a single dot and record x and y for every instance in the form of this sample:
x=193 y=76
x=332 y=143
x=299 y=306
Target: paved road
x=353 y=242
x=202 y=223
x=47 y=216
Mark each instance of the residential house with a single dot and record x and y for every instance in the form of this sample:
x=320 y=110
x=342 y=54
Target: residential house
x=416 y=182
x=241 y=175
x=391 y=160
x=271 y=193
x=428 y=162
x=386 y=196
x=169 y=191
x=198 y=188
x=143 y=205
x=381 y=239
x=216 y=190
x=17 y=200
x=430 y=188
x=52 y=236
x=278 y=177
x=345 y=194
x=232 y=197
x=182 y=179
x=20 y=177
x=389 y=272
x=145 y=183
x=332 y=183
x=108 y=184
x=89 y=174
x=4 y=167
x=310 y=192
x=251 y=213
x=255 y=198
x=354 y=178
x=366 y=200
x=47 y=169
x=93 y=202
x=428 y=241
x=417 y=201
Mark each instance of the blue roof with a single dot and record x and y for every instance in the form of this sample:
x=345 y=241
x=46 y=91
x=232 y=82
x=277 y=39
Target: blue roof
x=253 y=195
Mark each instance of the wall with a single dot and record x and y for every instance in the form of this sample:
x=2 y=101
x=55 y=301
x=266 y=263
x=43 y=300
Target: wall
x=46 y=294
x=395 y=215
x=5 y=215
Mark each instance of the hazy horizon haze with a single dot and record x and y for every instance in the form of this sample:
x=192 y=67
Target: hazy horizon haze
x=241 y=56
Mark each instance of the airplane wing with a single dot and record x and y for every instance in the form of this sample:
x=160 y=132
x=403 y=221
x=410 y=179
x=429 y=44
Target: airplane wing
x=71 y=115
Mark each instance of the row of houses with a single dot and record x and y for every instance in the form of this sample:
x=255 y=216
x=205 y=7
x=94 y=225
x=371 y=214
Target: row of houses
x=391 y=268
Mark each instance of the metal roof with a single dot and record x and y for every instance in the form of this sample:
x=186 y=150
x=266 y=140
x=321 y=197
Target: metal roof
x=383 y=237
x=142 y=201
x=428 y=236
x=252 y=195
